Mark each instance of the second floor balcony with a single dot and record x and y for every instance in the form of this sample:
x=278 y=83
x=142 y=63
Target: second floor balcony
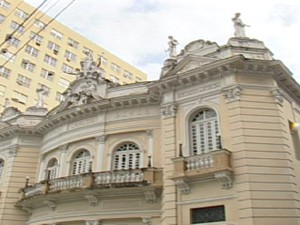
x=215 y=164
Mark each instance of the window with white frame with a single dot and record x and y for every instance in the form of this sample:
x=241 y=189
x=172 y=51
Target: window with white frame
x=23 y=80
x=15 y=26
x=114 y=79
x=63 y=83
x=36 y=38
x=52 y=169
x=128 y=75
x=70 y=56
x=204 y=132
x=19 y=97
x=56 y=34
x=4 y=4
x=2 y=18
x=127 y=156
x=39 y=24
x=5 y=72
x=49 y=75
x=54 y=47
x=32 y=51
x=73 y=43
x=2 y=90
x=50 y=60
x=138 y=79
x=27 y=65
x=59 y=97
x=8 y=56
x=81 y=162
x=14 y=42
x=21 y=14
x=1 y=167
x=115 y=67
x=67 y=69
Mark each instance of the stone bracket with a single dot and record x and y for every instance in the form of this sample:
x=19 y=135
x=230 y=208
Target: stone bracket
x=50 y=204
x=150 y=196
x=183 y=186
x=92 y=199
x=225 y=179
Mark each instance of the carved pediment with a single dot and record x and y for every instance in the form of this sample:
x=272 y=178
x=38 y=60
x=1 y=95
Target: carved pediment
x=200 y=47
x=193 y=63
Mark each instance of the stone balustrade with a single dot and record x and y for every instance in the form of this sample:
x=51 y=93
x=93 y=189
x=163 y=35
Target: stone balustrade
x=97 y=180
x=202 y=166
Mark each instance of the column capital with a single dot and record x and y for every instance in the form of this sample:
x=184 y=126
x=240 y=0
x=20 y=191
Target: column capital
x=169 y=110
x=63 y=148
x=101 y=138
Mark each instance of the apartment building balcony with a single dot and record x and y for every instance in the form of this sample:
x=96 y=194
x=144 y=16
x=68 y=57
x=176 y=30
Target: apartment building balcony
x=146 y=181
x=212 y=165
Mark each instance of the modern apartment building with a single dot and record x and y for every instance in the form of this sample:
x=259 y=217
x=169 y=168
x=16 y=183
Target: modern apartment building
x=211 y=142
x=42 y=53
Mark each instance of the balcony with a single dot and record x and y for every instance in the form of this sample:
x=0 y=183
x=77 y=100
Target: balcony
x=146 y=179
x=215 y=164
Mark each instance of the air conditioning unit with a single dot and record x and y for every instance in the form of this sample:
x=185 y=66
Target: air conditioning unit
x=55 y=51
x=25 y=61
x=20 y=82
x=70 y=44
x=37 y=43
x=50 y=73
x=69 y=60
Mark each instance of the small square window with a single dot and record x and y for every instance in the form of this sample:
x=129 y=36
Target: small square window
x=208 y=214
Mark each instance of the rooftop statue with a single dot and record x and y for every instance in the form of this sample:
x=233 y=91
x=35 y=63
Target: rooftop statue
x=42 y=92
x=239 y=26
x=172 y=47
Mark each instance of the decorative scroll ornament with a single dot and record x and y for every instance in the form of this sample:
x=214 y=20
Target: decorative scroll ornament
x=92 y=199
x=150 y=196
x=225 y=179
x=183 y=186
x=278 y=96
x=50 y=204
x=233 y=94
x=147 y=220
x=169 y=110
x=92 y=222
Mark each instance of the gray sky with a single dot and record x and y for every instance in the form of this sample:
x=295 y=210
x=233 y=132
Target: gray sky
x=137 y=30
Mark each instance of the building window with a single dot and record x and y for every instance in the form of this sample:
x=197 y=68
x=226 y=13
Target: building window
x=15 y=26
x=73 y=43
x=67 y=69
x=208 y=214
x=1 y=167
x=56 y=34
x=70 y=56
x=39 y=24
x=21 y=14
x=27 y=65
x=32 y=51
x=63 y=83
x=128 y=75
x=114 y=79
x=82 y=162
x=204 y=130
x=127 y=156
x=23 y=81
x=4 y=72
x=36 y=38
x=294 y=129
x=54 y=47
x=19 y=97
x=8 y=56
x=2 y=90
x=2 y=18
x=50 y=60
x=14 y=42
x=59 y=97
x=52 y=169
x=49 y=75
x=87 y=50
x=115 y=67
x=4 y=4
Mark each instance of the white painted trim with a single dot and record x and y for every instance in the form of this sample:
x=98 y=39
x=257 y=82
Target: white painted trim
x=201 y=200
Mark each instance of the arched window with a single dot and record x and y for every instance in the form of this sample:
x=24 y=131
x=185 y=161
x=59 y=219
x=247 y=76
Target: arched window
x=82 y=162
x=204 y=130
x=1 y=167
x=52 y=169
x=127 y=156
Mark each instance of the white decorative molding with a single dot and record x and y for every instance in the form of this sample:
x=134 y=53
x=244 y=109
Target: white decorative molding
x=169 y=111
x=233 y=94
x=92 y=199
x=278 y=95
x=183 y=186
x=92 y=222
x=63 y=148
x=150 y=196
x=101 y=138
x=13 y=150
x=149 y=133
x=50 y=204
x=205 y=200
x=225 y=179
x=147 y=220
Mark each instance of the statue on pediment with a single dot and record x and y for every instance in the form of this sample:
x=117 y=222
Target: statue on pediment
x=172 y=47
x=239 y=26
x=42 y=93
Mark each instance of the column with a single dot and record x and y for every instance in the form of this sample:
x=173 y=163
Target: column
x=63 y=159
x=100 y=153
x=42 y=169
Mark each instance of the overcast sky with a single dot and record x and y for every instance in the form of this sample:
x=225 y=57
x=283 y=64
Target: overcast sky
x=137 y=30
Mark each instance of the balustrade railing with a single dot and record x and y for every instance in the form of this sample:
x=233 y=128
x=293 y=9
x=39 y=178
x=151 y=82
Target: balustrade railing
x=199 y=162
x=95 y=180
